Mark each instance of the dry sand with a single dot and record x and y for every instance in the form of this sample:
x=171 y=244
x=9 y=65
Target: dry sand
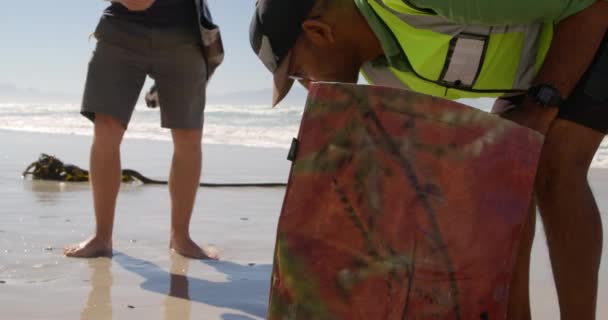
x=144 y=280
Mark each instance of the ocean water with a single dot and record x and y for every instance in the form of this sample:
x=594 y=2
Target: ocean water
x=246 y=125
x=254 y=125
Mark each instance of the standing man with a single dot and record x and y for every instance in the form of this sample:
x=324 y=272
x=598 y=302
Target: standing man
x=548 y=60
x=176 y=43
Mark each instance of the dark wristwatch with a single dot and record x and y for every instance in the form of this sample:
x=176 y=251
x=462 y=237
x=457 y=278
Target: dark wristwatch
x=546 y=95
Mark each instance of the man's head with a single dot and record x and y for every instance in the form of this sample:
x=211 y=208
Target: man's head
x=310 y=40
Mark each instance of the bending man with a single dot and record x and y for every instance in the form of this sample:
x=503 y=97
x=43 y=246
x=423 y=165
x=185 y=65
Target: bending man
x=547 y=60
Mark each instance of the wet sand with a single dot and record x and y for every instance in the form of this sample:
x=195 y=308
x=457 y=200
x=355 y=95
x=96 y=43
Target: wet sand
x=144 y=280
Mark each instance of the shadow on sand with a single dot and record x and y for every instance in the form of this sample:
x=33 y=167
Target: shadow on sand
x=245 y=288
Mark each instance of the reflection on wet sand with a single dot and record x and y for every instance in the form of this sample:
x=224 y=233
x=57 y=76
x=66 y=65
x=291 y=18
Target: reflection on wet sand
x=177 y=303
x=42 y=186
x=99 y=302
x=45 y=192
x=244 y=289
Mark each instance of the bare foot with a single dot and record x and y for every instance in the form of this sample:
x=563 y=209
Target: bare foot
x=189 y=249
x=90 y=248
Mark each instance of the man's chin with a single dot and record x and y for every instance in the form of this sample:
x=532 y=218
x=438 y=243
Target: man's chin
x=340 y=79
x=346 y=79
x=352 y=78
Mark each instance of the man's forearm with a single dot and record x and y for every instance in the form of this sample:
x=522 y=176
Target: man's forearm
x=574 y=46
x=575 y=43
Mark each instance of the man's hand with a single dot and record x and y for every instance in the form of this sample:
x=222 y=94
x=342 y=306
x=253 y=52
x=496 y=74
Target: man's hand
x=532 y=115
x=136 y=5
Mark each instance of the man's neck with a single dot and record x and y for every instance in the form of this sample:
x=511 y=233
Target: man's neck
x=369 y=44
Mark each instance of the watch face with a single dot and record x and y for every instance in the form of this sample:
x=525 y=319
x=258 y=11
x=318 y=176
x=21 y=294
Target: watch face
x=549 y=96
x=545 y=95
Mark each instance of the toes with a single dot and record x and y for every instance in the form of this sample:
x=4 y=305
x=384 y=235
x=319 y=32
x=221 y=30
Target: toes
x=197 y=252
x=69 y=250
x=211 y=253
x=87 y=251
x=72 y=252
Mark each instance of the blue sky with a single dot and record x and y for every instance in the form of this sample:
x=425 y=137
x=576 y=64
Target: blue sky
x=45 y=45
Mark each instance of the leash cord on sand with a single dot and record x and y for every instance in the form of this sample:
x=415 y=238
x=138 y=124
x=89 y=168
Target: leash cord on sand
x=146 y=180
x=52 y=169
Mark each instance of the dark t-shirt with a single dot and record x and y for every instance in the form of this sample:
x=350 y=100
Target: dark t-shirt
x=162 y=14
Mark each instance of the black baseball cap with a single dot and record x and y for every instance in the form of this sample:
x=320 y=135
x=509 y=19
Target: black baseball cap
x=275 y=27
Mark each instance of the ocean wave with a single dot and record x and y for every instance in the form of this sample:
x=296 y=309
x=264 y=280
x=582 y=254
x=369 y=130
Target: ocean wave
x=254 y=125
x=263 y=110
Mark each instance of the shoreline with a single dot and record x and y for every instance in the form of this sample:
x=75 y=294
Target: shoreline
x=600 y=160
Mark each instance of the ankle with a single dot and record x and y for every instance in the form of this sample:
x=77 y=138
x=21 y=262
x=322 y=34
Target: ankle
x=102 y=238
x=180 y=236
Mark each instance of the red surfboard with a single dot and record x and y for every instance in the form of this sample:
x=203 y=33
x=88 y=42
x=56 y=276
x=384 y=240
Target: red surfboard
x=400 y=206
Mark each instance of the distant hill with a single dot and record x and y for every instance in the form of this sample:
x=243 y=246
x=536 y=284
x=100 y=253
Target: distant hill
x=297 y=96
x=11 y=93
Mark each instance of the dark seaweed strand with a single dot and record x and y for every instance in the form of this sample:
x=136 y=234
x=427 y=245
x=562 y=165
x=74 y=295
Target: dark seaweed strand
x=354 y=218
x=362 y=100
x=369 y=243
x=409 y=171
x=410 y=284
x=358 y=223
x=361 y=186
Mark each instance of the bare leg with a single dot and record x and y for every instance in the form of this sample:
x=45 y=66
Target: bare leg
x=183 y=185
x=105 y=181
x=519 y=292
x=571 y=217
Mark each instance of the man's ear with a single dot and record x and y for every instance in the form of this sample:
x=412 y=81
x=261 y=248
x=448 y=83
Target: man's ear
x=318 y=32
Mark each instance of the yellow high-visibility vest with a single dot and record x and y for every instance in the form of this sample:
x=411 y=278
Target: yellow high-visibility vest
x=453 y=61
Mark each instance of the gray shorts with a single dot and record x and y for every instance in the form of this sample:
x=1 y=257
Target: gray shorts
x=126 y=53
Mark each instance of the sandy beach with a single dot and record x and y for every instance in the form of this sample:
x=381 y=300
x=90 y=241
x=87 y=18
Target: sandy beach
x=144 y=280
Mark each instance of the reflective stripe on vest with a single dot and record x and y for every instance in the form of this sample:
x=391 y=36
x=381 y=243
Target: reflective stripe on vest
x=455 y=61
